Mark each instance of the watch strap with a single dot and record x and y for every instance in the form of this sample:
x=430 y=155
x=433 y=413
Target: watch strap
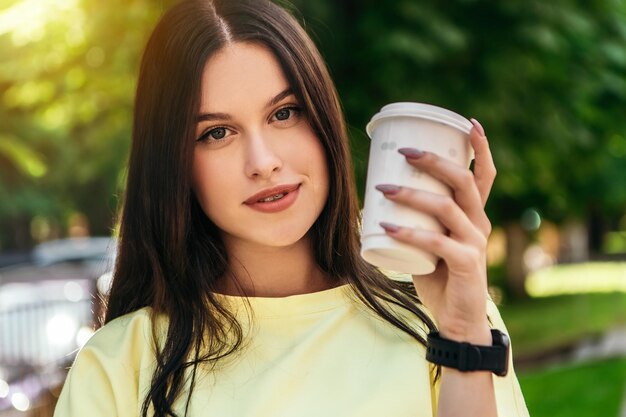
x=467 y=357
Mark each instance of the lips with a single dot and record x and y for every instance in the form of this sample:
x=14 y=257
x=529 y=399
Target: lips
x=269 y=192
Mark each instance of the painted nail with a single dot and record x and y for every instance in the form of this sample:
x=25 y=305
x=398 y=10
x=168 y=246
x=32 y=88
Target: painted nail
x=388 y=189
x=411 y=153
x=389 y=227
x=478 y=126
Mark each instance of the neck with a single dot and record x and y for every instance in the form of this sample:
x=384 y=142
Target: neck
x=263 y=271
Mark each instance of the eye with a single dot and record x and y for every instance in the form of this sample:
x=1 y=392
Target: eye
x=215 y=134
x=287 y=114
x=283 y=114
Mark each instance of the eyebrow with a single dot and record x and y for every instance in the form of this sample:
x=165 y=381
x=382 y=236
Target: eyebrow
x=225 y=116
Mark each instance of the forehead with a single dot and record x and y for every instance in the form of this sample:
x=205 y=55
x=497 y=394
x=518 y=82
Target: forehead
x=240 y=74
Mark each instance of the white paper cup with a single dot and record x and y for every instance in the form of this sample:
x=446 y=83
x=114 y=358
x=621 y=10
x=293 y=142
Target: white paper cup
x=407 y=125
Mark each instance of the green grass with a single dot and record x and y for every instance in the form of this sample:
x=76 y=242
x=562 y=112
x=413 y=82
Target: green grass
x=577 y=302
x=541 y=324
x=593 y=389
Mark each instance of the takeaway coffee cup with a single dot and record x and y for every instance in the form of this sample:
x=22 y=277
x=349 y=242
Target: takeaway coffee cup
x=407 y=125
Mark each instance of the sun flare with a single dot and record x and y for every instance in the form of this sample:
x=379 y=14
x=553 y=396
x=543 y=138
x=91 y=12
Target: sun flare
x=26 y=20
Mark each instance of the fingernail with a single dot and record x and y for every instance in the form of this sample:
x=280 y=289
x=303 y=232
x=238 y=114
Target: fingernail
x=388 y=189
x=389 y=227
x=478 y=126
x=411 y=153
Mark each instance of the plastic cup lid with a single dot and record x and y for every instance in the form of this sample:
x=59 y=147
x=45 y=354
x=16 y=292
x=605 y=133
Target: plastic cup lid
x=421 y=111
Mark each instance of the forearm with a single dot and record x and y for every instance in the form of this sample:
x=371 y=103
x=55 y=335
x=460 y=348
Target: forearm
x=467 y=394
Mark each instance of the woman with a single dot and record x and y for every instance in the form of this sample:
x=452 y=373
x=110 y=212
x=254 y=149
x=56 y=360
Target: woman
x=239 y=289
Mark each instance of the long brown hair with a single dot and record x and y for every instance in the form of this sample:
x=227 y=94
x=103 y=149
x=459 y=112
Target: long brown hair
x=170 y=254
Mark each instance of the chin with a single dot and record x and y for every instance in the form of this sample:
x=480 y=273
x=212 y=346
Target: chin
x=276 y=237
x=280 y=241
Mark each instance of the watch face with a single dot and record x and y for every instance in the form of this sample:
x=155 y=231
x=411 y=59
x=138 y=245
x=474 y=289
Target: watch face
x=505 y=343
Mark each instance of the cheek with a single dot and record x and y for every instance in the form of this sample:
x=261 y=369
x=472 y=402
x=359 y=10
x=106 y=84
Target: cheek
x=315 y=161
x=323 y=174
x=206 y=183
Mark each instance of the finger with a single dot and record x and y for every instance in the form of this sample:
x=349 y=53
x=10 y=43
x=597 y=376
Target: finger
x=484 y=167
x=442 y=207
x=462 y=258
x=460 y=179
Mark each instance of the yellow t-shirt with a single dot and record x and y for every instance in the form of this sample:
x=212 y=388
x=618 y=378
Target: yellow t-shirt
x=310 y=355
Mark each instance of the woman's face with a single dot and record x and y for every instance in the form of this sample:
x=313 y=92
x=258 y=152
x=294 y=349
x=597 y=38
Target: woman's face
x=253 y=135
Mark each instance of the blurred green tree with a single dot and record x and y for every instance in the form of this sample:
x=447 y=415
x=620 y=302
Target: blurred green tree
x=67 y=76
x=546 y=79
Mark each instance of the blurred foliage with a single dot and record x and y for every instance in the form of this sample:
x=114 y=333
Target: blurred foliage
x=67 y=76
x=546 y=79
x=615 y=242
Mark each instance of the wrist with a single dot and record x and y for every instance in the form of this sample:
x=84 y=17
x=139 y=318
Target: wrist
x=474 y=333
x=465 y=356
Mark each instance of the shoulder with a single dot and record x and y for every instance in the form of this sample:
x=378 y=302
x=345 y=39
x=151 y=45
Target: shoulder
x=509 y=397
x=124 y=345
x=110 y=371
x=124 y=333
x=409 y=313
x=494 y=315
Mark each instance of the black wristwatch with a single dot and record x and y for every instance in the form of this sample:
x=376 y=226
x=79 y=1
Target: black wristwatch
x=466 y=357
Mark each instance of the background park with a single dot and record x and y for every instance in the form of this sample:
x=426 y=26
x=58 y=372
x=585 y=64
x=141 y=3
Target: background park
x=547 y=80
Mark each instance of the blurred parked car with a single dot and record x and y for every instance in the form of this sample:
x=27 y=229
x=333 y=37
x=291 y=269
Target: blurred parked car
x=48 y=308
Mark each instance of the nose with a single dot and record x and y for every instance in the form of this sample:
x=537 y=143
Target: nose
x=261 y=159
